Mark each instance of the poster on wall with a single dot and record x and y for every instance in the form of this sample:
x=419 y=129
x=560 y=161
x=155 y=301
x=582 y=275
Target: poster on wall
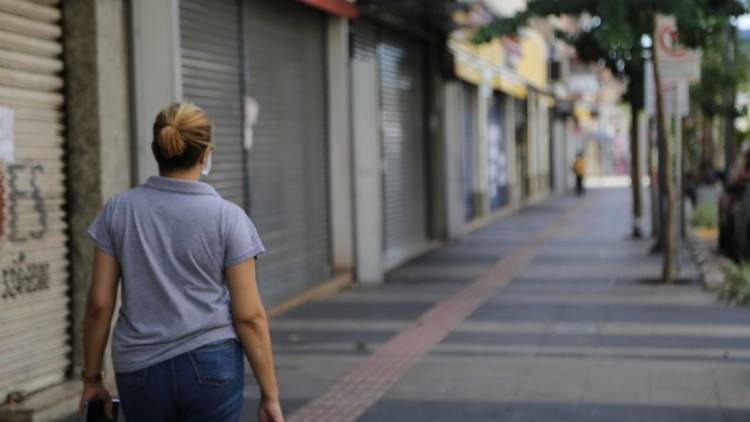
x=7 y=145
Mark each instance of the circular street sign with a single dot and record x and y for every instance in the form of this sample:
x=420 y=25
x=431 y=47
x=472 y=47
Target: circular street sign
x=668 y=39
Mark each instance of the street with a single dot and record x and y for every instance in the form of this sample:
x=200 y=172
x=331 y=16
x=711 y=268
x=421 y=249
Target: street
x=435 y=207
x=550 y=314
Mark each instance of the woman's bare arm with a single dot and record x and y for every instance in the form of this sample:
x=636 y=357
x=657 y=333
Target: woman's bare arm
x=100 y=307
x=99 y=310
x=251 y=323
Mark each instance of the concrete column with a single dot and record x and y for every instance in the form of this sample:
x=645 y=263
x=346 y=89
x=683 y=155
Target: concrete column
x=368 y=172
x=436 y=145
x=531 y=157
x=544 y=146
x=157 y=80
x=454 y=200
x=98 y=131
x=339 y=138
x=559 y=153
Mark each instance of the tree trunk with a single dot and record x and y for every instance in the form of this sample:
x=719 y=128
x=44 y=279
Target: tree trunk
x=635 y=173
x=668 y=195
x=707 y=145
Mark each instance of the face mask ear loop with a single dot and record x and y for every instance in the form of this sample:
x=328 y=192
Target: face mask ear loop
x=207 y=168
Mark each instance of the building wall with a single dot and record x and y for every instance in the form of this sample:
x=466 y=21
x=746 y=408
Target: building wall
x=367 y=168
x=453 y=141
x=97 y=164
x=339 y=134
x=99 y=137
x=560 y=166
x=156 y=76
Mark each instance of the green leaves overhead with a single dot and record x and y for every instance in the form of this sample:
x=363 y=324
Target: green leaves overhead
x=622 y=22
x=609 y=32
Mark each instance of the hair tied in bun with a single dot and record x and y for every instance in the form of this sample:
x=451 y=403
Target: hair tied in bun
x=171 y=143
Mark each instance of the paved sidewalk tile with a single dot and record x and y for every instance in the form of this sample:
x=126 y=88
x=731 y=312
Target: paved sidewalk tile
x=572 y=333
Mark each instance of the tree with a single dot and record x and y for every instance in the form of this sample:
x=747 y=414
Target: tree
x=712 y=96
x=614 y=39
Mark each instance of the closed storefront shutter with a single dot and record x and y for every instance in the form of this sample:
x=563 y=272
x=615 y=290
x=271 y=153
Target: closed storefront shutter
x=212 y=79
x=34 y=298
x=522 y=148
x=497 y=155
x=288 y=166
x=364 y=41
x=402 y=95
x=400 y=75
x=469 y=122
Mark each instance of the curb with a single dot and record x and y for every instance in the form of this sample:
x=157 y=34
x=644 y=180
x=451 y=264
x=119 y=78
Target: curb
x=327 y=288
x=708 y=265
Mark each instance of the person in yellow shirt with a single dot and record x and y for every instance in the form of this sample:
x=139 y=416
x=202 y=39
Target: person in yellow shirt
x=579 y=169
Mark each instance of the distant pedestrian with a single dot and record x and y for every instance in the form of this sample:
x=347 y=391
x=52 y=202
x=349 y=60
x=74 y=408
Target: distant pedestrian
x=579 y=170
x=190 y=302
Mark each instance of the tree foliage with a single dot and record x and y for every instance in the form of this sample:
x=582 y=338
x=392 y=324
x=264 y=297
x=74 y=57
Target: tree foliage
x=620 y=18
x=612 y=30
x=718 y=77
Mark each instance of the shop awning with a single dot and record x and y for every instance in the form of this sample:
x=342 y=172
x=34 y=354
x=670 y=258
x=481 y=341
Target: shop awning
x=334 y=7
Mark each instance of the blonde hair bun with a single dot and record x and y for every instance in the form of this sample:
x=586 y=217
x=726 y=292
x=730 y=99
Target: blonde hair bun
x=171 y=143
x=178 y=125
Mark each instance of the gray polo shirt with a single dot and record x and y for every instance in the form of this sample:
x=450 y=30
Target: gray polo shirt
x=172 y=238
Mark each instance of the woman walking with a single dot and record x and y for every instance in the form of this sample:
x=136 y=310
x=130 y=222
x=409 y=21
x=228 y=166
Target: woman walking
x=190 y=302
x=579 y=170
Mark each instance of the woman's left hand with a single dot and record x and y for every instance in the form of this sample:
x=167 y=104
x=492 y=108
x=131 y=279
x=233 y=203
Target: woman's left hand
x=96 y=392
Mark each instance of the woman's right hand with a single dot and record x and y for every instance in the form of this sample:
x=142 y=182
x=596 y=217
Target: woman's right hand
x=270 y=411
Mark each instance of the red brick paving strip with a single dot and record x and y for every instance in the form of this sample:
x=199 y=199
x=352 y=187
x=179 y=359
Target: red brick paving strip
x=369 y=380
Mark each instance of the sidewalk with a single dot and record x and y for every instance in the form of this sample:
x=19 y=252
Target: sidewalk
x=543 y=316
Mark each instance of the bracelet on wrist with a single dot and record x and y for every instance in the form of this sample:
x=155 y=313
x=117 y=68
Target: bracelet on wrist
x=91 y=379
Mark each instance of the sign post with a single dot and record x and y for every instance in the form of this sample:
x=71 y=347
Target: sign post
x=678 y=66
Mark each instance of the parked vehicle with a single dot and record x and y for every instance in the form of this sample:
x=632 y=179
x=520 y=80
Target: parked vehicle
x=734 y=210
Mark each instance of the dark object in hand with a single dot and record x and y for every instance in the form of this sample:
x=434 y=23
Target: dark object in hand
x=94 y=411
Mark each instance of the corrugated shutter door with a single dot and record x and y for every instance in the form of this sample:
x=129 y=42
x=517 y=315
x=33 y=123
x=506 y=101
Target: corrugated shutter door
x=364 y=41
x=498 y=161
x=212 y=79
x=469 y=121
x=404 y=190
x=34 y=297
x=288 y=168
x=522 y=148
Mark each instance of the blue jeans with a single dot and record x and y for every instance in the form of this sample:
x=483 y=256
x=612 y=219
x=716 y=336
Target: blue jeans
x=204 y=384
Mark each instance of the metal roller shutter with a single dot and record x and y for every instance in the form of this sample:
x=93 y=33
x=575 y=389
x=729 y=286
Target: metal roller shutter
x=364 y=41
x=288 y=166
x=402 y=110
x=34 y=300
x=522 y=148
x=212 y=79
x=469 y=122
x=497 y=155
